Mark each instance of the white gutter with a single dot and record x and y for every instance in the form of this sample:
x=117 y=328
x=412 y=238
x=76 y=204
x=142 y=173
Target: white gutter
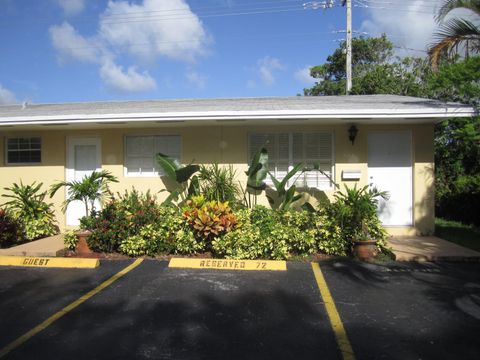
x=236 y=115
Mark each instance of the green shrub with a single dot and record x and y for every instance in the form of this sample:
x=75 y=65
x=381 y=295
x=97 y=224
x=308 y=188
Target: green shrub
x=331 y=239
x=461 y=200
x=120 y=218
x=179 y=236
x=151 y=240
x=187 y=243
x=134 y=245
x=9 y=230
x=70 y=239
x=352 y=216
x=27 y=205
x=242 y=243
x=264 y=233
x=356 y=211
x=301 y=231
x=108 y=227
x=134 y=224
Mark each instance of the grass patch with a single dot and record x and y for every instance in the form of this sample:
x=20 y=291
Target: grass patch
x=458 y=233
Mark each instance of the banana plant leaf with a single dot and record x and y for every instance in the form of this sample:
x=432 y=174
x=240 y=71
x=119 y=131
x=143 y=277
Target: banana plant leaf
x=257 y=172
x=194 y=188
x=308 y=207
x=169 y=165
x=184 y=173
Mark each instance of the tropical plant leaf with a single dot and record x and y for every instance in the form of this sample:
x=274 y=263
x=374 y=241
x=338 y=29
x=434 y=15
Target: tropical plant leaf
x=308 y=207
x=257 y=172
x=169 y=165
x=194 y=188
x=182 y=174
x=290 y=174
x=316 y=166
x=276 y=183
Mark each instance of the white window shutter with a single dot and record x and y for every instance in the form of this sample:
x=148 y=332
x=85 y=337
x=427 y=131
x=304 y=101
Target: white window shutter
x=297 y=148
x=141 y=151
x=288 y=149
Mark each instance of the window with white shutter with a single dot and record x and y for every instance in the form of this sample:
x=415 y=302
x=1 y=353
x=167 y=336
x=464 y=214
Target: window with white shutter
x=285 y=150
x=141 y=151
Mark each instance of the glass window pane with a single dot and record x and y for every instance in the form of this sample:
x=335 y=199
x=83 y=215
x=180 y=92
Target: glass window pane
x=24 y=150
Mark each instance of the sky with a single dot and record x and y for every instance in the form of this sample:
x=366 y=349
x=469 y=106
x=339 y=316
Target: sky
x=56 y=51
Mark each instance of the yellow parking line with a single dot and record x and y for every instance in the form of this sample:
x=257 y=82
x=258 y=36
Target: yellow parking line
x=333 y=315
x=29 y=334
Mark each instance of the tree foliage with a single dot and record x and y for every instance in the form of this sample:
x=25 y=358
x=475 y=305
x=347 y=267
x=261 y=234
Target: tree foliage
x=375 y=71
x=457 y=141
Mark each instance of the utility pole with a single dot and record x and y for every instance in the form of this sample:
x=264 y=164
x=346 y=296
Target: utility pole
x=326 y=4
x=349 y=45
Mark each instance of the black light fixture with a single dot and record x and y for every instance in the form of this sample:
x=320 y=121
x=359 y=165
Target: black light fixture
x=352 y=133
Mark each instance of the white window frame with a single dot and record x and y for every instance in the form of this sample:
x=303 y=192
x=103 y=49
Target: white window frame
x=291 y=164
x=147 y=174
x=23 y=163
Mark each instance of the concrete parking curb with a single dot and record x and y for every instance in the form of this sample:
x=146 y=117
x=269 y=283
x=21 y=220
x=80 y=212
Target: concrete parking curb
x=49 y=262
x=228 y=264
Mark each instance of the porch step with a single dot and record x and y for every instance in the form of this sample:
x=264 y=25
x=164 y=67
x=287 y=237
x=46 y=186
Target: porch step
x=430 y=248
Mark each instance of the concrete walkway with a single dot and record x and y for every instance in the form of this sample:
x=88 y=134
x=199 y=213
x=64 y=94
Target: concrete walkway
x=430 y=248
x=50 y=246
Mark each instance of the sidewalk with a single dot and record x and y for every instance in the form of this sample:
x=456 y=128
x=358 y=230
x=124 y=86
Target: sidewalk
x=50 y=246
x=430 y=248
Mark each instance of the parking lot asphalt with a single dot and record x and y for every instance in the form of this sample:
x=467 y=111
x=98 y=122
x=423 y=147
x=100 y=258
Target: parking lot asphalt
x=393 y=311
x=408 y=310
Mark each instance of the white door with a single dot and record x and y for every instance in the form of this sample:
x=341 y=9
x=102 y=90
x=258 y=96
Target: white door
x=83 y=157
x=390 y=169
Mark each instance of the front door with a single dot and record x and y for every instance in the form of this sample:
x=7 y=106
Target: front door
x=390 y=169
x=83 y=157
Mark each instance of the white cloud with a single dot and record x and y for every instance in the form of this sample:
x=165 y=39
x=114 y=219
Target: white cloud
x=69 y=43
x=303 y=75
x=146 y=31
x=196 y=79
x=6 y=96
x=72 y=7
x=154 y=28
x=130 y=81
x=408 y=24
x=266 y=67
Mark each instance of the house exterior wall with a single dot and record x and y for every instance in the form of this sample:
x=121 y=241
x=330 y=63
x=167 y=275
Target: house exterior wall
x=225 y=145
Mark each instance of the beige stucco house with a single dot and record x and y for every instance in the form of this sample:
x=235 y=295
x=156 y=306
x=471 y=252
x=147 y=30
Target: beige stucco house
x=391 y=149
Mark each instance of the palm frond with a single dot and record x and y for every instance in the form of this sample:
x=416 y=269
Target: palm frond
x=449 y=5
x=451 y=35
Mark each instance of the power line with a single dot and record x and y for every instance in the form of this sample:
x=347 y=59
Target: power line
x=177 y=14
x=278 y=36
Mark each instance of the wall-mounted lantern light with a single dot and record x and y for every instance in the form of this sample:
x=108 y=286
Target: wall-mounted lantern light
x=352 y=133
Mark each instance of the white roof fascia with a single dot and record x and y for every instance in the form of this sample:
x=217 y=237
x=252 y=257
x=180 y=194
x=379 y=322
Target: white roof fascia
x=235 y=115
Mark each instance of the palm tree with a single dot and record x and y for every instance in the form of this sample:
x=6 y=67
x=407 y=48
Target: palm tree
x=456 y=31
x=91 y=188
